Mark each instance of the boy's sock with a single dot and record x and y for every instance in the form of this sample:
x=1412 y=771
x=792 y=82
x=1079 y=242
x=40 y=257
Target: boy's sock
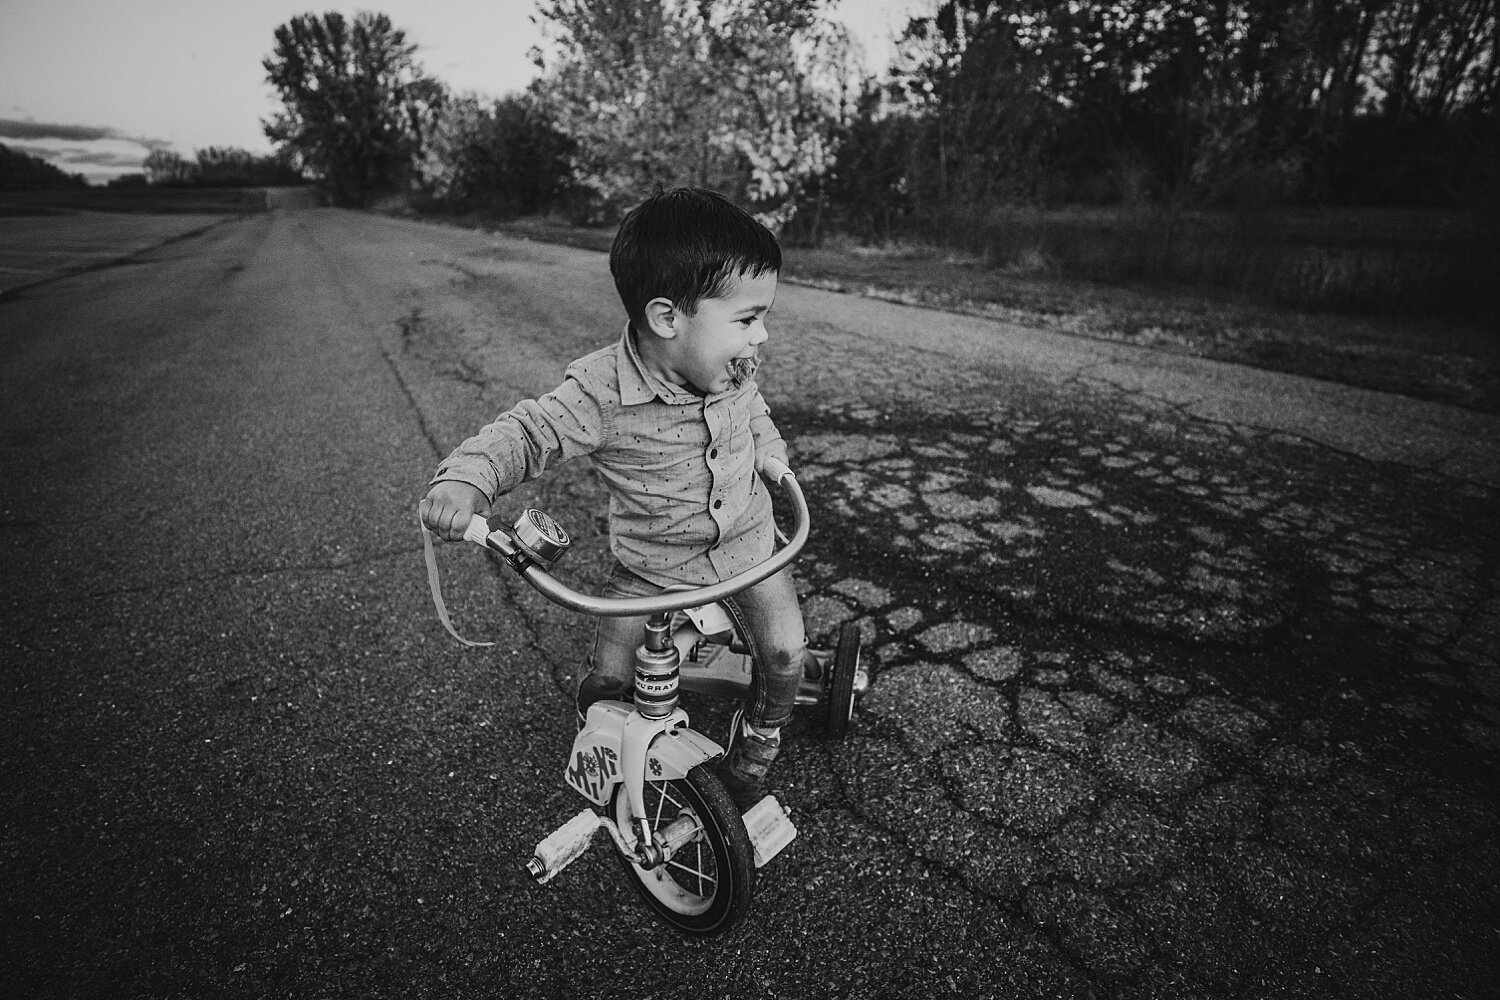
x=765 y=734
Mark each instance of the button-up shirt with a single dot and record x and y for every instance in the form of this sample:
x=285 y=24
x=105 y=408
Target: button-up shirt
x=685 y=502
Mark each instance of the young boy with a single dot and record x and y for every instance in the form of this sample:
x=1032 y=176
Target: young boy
x=673 y=421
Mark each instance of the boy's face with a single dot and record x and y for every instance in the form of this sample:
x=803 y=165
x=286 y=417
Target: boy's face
x=714 y=349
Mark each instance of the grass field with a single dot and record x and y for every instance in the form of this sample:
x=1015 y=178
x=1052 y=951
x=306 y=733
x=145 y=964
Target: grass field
x=195 y=201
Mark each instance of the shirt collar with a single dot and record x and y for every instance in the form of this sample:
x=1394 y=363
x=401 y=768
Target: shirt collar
x=637 y=385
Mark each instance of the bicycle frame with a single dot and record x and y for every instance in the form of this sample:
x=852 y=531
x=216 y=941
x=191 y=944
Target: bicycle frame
x=620 y=743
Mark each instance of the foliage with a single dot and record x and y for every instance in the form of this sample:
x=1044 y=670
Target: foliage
x=505 y=156
x=218 y=166
x=357 y=108
x=996 y=108
x=166 y=168
x=23 y=172
x=225 y=166
x=992 y=109
x=742 y=95
x=1181 y=102
x=871 y=181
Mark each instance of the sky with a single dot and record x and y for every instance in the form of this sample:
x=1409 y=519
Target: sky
x=94 y=85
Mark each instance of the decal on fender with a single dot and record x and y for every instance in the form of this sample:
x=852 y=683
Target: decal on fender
x=592 y=770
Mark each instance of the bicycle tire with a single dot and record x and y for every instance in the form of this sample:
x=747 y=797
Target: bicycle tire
x=707 y=887
x=839 y=699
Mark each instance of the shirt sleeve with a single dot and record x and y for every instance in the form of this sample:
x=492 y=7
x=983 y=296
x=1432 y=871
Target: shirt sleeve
x=524 y=442
x=768 y=442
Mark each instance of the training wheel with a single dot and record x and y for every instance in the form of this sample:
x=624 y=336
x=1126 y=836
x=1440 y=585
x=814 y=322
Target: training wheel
x=839 y=677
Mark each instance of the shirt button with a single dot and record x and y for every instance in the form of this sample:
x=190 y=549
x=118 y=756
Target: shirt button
x=714 y=453
x=718 y=504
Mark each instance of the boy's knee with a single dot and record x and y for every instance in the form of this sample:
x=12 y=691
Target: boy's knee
x=784 y=662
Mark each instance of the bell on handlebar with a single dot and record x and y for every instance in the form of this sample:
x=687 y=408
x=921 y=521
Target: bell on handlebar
x=542 y=538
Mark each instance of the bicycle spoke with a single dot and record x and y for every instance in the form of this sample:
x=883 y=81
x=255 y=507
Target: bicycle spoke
x=661 y=800
x=697 y=873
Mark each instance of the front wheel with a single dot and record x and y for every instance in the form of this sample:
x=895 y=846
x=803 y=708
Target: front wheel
x=706 y=886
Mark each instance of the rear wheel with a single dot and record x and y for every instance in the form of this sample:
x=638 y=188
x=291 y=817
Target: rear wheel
x=839 y=700
x=705 y=887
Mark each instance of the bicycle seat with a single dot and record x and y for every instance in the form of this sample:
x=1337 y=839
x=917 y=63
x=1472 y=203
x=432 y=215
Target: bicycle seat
x=710 y=619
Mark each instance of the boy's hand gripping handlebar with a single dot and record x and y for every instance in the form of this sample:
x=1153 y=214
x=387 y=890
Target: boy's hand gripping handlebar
x=536 y=541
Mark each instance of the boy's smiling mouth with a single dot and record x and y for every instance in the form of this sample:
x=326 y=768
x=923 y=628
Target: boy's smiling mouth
x=741 y=370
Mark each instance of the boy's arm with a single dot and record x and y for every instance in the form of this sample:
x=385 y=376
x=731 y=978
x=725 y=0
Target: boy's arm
x=768 y=442
x=516 y=448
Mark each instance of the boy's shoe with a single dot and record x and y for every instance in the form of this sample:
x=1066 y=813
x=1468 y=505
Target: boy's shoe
x=582 y=711
x=595 y=692
x=746 y=759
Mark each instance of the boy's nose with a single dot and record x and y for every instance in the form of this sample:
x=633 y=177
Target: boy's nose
x=759 y=334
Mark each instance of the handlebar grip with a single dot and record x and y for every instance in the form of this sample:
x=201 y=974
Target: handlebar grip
x=777 y=469
x=477 y=531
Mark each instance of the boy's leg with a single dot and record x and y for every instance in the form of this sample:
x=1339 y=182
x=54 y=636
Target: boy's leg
x=610 y=671
x=770 y=618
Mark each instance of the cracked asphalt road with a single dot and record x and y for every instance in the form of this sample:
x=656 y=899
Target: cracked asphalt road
x=1185 y=676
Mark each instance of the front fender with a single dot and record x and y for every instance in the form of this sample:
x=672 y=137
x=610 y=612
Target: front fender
x=597 y=763
x=677 y=751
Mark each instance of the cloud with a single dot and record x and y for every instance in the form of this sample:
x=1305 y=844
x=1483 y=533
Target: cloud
x=14 y=128
x=83 y=158
x=98 y=160
x=10 y=128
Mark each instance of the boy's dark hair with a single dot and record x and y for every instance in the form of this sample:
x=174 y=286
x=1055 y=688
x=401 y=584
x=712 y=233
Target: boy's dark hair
x=685 y=245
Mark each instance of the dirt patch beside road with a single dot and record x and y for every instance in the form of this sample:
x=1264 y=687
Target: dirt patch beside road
x=1436 y=362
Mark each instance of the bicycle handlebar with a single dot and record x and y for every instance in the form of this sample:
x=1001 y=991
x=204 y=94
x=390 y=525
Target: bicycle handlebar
x=502 y=539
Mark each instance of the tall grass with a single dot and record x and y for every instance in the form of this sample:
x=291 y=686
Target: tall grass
x=1408 y=263
x=149 y=200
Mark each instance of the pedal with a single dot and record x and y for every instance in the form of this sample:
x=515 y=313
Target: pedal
x=563 y=846
x=770 y=829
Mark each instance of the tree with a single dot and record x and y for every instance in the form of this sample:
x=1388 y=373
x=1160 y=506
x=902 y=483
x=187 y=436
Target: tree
x=228 y=166
x=357 y=107
x=1437 y=58
x=981 y=74
x=872 y=179
x=23 y=172
x=164 y=168
x=505 y=156
x=738 y=95
x=1205 y=100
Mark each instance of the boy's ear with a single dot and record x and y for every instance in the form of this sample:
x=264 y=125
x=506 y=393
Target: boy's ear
x=661 y=318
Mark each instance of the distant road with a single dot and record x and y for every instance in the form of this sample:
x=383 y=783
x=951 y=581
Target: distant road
x=1185 y=677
